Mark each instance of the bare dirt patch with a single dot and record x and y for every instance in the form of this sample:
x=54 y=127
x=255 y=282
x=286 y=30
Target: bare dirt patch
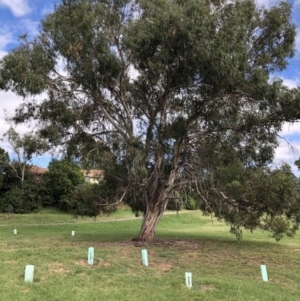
x=161 y=266
x=172 y=244
x=81 y=262
x=97 y=263
x=103 y=264
x=207 y=287
x=56 y=268
x=159 y=243
x=11 y=261
x=125 y=252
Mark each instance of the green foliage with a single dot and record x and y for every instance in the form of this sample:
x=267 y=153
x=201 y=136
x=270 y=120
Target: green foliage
x=191 y=204
x=61 y=180
x=27 y=146
x=4 y=165
x=30 y=72
x=237 y=231
x=88 y=200
x=24 y=149
x=17 y=196
x=176 y=95
x=22 y=198
x=280 y=226
x=176 y=203
x=258 y=198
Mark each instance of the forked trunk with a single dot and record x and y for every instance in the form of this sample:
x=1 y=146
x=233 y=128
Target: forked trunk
x=151 y=218
x=157 y=203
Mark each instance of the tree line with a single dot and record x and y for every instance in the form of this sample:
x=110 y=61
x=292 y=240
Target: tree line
x=62 y=186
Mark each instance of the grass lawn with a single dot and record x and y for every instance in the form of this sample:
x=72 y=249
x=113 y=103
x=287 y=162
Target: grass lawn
x=222 y=267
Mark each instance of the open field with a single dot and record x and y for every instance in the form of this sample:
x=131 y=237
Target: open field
x=222 y=267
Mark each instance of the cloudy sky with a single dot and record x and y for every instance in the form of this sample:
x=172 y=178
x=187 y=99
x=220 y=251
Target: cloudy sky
x=22 y=16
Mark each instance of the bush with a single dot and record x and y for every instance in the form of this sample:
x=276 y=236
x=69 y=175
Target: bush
x=191 y=204
x=60 y=183
x=87 y=200
x=24 y=198
x=175 y=204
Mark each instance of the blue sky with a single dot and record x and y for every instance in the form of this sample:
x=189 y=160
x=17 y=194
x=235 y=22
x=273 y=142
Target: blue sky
x=22 y=16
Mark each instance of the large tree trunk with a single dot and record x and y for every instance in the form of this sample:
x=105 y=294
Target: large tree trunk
x=159 y=193
x=151 y=218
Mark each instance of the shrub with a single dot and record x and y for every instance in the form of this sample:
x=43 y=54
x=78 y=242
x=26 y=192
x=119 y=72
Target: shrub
x=191 y=204
x=175 y=204
x=87 y=200
x=23 y=198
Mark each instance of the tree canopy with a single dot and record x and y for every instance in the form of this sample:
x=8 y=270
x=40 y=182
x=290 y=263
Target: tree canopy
x=19 y=193
x=174 y=91
x=24 y=148
x=60 y=181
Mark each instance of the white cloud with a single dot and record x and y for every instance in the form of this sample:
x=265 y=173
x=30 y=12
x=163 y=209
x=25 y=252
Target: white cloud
x=287 y=152
x=289 y=146
x=267 y=3
x=9 y=101
x=2 y=53
x=18 y=7
x=291 y=83
x=132 y=73
x=290 y=129
x=28 y=26
x=5 y=38
x=10 y=31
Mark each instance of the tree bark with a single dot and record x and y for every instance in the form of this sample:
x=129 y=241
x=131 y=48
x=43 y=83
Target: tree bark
x=152 y=216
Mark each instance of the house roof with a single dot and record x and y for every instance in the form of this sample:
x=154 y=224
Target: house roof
x=93 y=173
x=38 y=170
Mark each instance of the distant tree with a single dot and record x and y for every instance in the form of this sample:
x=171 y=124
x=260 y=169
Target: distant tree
x=17 y=196
x=23 y=150
x=172 y=88
x=61 y=180
x=4 y=165
x=87 y=199
x=24 y=197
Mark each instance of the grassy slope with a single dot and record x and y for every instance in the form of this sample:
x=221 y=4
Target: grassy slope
x=223 y=268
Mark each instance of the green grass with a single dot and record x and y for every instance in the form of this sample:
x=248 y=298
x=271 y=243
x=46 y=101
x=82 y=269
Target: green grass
x=222 y=267
x=53 y=216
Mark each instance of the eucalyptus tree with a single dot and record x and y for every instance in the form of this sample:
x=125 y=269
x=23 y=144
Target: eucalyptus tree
x=166 y=87
x=24 y=149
